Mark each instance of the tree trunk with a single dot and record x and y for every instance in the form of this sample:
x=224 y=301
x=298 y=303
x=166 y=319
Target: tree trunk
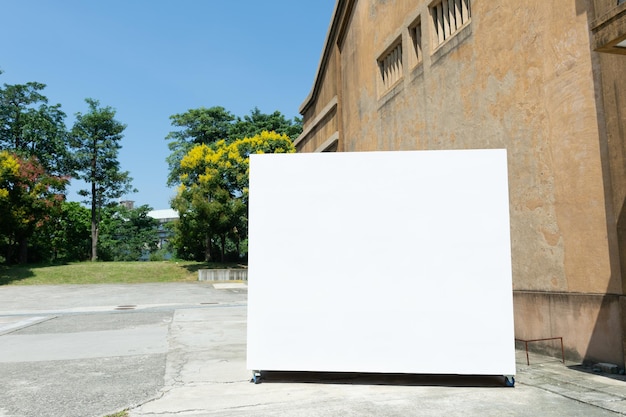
x=94 y=241
x=223 y=245
x=10 y=249
x=23 y=242
x=94 y=224
x=207 y=249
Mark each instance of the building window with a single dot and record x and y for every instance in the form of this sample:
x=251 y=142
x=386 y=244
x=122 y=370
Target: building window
x=332 y=148
x=415 y=34
x=448 y=17
x=390 y=65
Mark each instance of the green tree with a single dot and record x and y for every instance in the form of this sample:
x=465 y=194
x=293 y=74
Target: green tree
x=197 y=126
x=214 y=189
x=29 y=198
x=96 y=137
x=189 y=239
x=31 y=127
x=35 y=136
x=66 y=236
x=257 y=122
x=208 y=126
x=127 y=234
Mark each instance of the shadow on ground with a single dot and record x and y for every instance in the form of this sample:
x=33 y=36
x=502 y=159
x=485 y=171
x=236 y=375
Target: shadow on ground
x=11 y=274
x=588 y=369
x=214 y=265
x=356 y=378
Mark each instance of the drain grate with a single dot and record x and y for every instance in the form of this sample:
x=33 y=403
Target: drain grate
x=127 y=307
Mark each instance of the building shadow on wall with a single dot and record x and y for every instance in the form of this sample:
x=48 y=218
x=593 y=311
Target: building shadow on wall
x=609 y=333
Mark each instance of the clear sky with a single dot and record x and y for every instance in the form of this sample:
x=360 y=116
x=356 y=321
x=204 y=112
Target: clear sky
x=149 y=59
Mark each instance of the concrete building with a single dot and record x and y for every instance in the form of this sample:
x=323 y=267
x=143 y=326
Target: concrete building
x=545 y=79
x=164 y=217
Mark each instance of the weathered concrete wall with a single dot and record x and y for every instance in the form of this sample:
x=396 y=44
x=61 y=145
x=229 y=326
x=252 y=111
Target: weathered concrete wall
x=520 y=76
x=520 y=79
x=222 y=275
x=320 y=118
x=587 y=323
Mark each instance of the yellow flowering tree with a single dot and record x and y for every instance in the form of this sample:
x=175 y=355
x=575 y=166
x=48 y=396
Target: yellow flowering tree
x=214 y=190
x=9 y=169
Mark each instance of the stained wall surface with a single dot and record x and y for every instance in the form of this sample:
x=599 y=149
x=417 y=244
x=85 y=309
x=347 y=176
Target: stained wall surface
x=516 y=75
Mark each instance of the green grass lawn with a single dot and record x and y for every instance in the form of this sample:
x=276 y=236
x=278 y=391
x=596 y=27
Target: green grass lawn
x=104 y=272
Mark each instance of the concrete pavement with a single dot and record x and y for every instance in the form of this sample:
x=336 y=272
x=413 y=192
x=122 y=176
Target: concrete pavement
x=179 y=350
x=90 y=350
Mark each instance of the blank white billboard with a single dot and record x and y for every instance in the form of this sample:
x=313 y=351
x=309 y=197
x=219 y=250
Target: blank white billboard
x=390 y=262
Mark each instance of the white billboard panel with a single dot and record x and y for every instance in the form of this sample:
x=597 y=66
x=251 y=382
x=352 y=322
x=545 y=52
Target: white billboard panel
x=391 y=262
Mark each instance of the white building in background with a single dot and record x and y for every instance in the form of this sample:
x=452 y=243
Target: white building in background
x=163 y=216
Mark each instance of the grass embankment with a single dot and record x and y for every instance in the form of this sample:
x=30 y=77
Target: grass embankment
x=119 y=414
x=104 y=273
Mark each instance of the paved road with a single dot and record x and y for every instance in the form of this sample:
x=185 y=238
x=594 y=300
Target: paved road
x=90 y=350
x=179 y=350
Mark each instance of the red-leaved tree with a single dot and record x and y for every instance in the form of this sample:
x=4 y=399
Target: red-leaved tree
x=29 y=197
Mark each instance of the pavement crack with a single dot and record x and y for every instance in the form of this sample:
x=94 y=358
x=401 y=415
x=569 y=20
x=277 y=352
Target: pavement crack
x=157 y=397
x=173 y=413
x=597 y=404
x=228 y=382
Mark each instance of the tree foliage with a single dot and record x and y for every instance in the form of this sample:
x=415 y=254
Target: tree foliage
x=257 y=122
x=189 y=239
x=31 y=127
x=35 y=163
x=29 y=198
x=96 y=137
x=127 y=234
x=197 y=126
x=206 y=126
x=214 y=189
x=69 y=233
x=38 y=157
x=64 y=238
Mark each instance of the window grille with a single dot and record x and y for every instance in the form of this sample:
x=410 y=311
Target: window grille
x=390 y=66
x=448 y=17
x=415 y=33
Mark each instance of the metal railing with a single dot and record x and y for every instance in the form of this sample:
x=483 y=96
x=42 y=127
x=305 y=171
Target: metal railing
x=527 y=341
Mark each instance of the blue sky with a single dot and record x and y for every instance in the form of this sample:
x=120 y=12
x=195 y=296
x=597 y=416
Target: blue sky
x=151 y=59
